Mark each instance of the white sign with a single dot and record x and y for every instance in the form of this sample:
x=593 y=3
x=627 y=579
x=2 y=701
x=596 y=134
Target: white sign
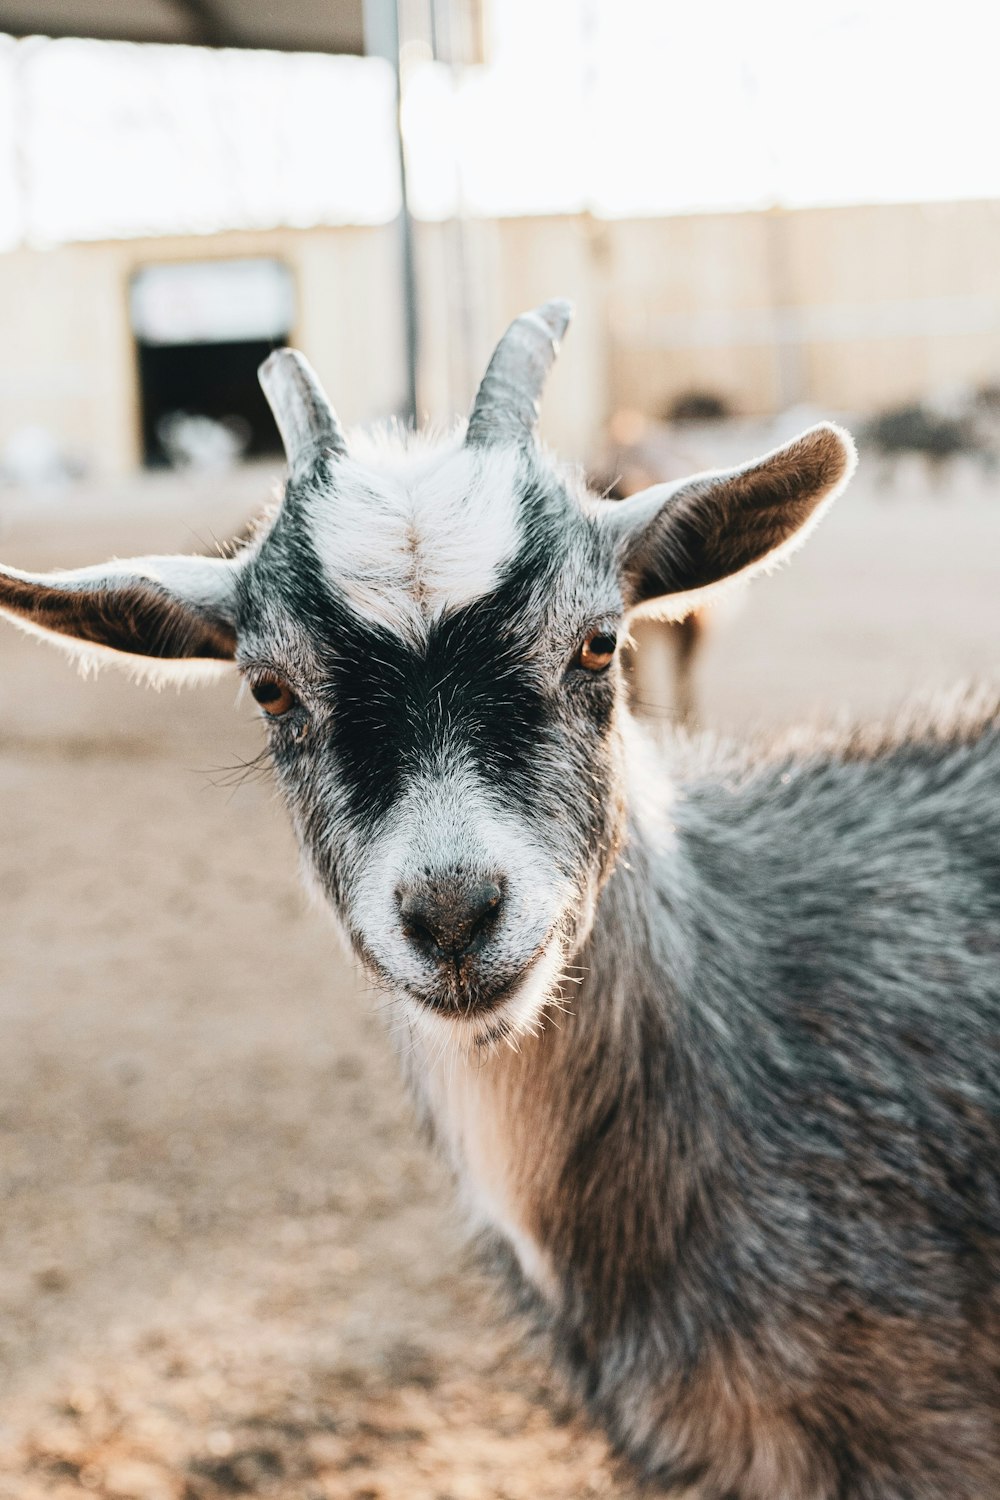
x=212 y=301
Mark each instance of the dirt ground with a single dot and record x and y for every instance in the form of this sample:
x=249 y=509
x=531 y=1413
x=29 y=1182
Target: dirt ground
x=227 y=1265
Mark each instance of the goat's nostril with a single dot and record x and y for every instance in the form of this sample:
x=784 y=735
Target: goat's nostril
x=448 y=916
x=484 y=912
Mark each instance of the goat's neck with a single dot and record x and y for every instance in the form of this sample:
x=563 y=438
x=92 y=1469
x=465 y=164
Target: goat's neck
x=578 y=1120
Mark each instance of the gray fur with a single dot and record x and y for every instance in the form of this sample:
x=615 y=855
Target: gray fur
x=777 y=1147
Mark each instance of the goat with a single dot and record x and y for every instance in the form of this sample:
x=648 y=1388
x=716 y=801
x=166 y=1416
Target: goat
x=745 y=1167
x=681 y=641
x=665 y=649
x=936 y=435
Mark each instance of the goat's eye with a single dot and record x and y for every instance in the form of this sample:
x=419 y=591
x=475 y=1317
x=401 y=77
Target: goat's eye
x=597 y=652
x=274 y=696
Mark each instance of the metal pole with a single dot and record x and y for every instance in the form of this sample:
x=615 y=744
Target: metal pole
x=382 y=39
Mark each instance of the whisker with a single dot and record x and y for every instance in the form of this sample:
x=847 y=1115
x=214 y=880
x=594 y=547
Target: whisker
x=242 y=771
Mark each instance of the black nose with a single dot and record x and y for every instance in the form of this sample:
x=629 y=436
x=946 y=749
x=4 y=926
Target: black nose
x=451 y=915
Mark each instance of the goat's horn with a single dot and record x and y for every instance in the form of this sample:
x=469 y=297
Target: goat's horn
x=506 y=406
x=306 y=420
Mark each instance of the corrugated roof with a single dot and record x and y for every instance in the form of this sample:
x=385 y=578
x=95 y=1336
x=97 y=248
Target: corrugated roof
x=279 y=25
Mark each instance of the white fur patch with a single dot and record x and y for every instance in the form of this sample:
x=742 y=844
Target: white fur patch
x=409 y=542
x=446 y=819
x=449 y=818
x=458 y=1087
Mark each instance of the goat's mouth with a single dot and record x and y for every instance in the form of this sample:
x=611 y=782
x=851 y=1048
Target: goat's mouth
x=485 y=999
x=492 y=1007
x=459 y=997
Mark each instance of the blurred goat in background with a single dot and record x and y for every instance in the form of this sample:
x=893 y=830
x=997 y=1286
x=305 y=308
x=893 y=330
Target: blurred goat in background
x=641 y=453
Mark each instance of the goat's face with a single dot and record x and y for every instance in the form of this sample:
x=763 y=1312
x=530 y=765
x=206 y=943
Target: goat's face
x=435 y=651
x=433 y=643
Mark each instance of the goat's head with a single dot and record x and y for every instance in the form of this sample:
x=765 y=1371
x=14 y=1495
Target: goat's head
x=432 y=637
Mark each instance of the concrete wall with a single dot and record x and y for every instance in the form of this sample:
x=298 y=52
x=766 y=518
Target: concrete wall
x=846 y=308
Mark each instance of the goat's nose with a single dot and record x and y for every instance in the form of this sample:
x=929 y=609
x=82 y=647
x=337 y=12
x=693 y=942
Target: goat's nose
x=451 y=915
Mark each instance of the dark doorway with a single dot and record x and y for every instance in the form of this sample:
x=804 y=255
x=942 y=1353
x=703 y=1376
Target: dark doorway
x=206 y=380
x=202 y=328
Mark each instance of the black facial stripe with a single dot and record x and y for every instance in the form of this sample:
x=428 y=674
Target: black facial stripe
x=398 y=708
x=474 y=685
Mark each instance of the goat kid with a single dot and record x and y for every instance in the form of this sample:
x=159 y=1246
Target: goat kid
x=750 y=1177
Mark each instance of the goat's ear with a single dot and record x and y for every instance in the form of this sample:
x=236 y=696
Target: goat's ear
x=679 y=543
x=152 y=609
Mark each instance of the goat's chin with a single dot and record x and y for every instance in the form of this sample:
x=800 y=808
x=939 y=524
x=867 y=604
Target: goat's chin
x=516 y=1013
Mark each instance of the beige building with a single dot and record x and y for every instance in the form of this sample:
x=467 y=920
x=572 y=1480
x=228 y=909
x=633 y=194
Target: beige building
x=845 y=308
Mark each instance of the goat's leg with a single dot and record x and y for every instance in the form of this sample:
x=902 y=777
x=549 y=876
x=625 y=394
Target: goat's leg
x=688 y=635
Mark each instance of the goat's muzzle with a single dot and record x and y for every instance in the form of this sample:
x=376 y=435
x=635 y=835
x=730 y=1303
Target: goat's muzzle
x=450 y=920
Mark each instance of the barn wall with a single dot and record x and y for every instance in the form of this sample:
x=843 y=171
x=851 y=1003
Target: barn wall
x=846 y=308
x=67 y=361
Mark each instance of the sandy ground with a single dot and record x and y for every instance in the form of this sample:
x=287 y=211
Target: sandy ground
x=227 y=1265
